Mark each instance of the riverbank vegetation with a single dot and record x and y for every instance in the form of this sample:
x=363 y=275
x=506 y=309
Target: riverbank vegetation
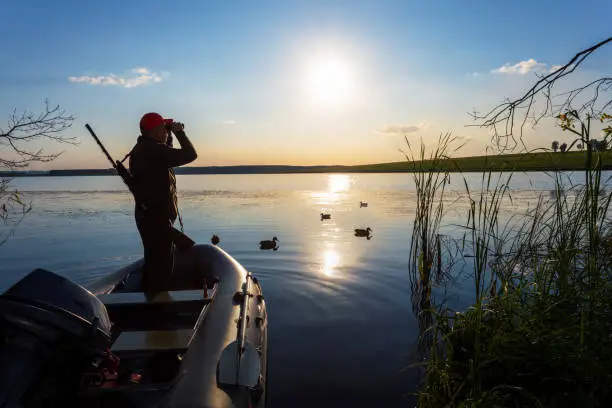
x=538 y=331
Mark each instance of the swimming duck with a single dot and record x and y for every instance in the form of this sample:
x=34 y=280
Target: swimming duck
x=215 y=239
x=360 y=232
x=269 y=244
x=325 y=216
x=363 y=204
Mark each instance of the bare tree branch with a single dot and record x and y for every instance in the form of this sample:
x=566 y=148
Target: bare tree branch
x=22 y=129
x=27 y=127
x=505 y=117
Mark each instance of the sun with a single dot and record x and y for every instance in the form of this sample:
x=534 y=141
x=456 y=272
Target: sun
x=330 y=81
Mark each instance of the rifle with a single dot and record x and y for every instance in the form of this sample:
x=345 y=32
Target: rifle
x=181 y=240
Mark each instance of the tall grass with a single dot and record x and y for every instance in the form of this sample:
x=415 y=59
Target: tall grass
x=484 y=233
x=539 y=330
x=426 y=266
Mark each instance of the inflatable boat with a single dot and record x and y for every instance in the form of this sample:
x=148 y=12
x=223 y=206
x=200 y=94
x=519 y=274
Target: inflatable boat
x=202 y=344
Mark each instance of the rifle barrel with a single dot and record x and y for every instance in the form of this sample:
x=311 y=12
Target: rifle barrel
x=108 y=156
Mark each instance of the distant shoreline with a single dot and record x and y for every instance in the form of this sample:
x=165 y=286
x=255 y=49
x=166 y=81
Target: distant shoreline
x=546 y=161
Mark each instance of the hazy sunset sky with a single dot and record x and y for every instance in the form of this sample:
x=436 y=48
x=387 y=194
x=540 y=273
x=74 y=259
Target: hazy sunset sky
x=286 y=82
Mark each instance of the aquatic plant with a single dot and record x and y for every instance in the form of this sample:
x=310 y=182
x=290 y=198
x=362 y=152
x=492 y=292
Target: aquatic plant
x=538 y=332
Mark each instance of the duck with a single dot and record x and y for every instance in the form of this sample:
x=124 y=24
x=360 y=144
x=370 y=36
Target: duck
x=215 y=239
x=269 y=244
x=363 y=204
x=325 y=216
x=360 y=232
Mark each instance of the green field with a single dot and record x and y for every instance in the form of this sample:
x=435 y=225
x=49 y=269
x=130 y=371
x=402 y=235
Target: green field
x=519 y=162
x=545 y=161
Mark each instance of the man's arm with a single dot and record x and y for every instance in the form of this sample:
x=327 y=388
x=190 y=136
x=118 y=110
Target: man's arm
x=178 y=157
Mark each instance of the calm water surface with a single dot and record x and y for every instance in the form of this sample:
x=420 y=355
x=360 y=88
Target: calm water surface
x=341 y=323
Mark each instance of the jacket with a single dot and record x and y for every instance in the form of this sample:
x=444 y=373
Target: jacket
x=153 y=179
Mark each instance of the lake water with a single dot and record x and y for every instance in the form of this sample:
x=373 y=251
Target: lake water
x=341 y=323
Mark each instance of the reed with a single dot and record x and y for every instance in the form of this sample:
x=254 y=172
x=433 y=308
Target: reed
x=538 y=332
x=425 y=265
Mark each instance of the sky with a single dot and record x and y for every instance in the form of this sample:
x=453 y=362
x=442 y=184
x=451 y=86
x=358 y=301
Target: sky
x=287 y=82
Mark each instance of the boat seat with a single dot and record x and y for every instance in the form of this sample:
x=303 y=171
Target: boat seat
x=130 y=298
x=168 y=310
x=179 y=301
x=152 y=341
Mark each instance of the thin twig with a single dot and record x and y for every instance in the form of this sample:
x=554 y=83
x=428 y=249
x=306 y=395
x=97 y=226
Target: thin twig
x=503 y=118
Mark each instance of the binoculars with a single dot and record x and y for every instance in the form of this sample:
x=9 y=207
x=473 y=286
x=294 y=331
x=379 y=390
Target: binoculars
x=169 y=125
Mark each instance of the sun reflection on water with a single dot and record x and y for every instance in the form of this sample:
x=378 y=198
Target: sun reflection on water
x=331 y=260
x=332 y=200
x=337 y=183
x=337 y=186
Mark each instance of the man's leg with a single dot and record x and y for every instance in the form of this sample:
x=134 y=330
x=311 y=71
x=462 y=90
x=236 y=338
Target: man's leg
x=158 y=255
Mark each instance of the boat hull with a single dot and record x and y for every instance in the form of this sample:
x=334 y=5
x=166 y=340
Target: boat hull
x=235 y=318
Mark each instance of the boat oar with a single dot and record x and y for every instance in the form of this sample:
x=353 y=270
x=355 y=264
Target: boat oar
x=240 y=362
x=181 y=240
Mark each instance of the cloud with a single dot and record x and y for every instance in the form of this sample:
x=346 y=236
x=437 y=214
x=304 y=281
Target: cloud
x=520 y=68
x=143 y=76
x=523 y=67
x=228 y=122
x=555 y=68
x=142 y=71
x=402 y=129
x=462 y=139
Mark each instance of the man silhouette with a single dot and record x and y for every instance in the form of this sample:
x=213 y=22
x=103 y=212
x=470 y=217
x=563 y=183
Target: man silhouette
x=151 y=163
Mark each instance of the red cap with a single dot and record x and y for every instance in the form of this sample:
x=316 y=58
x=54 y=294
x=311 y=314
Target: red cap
x=151 y=120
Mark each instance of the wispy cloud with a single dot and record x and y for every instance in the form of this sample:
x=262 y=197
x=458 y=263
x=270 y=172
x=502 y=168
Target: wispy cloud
x=521 y=68
x=139 y=76
x=402 y=129
x=462 y=139
x=555 y=68
x=141 y=71
x=228 y=122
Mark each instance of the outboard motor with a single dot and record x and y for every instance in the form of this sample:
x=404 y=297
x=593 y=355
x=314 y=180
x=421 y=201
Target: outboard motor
x=51 y=331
